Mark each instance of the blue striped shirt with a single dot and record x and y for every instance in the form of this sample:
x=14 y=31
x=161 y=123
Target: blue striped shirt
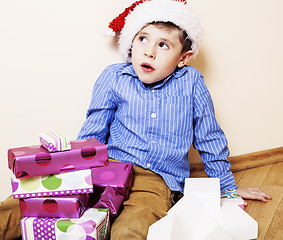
x=154 y=126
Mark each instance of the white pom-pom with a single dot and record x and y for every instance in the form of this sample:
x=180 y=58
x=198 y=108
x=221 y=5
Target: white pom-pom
x=109 y=33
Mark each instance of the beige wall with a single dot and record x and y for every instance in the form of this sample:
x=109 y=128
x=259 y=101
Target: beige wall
x=52 y=51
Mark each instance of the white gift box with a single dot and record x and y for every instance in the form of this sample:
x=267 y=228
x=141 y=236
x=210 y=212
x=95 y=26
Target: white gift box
x=170 y=227
x=206 y=190
x=199 y=216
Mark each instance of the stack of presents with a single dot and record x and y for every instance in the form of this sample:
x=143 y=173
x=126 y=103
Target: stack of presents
x=67 y=189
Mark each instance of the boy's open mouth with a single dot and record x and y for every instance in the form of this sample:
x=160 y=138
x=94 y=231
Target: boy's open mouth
x=147 y=67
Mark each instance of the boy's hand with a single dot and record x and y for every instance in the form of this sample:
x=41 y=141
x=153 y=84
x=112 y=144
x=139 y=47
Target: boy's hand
x=254 y=194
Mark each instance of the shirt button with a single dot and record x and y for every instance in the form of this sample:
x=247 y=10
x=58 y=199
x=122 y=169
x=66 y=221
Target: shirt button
x=153 y=141
x=153 y=115
x=148 y=165
x=153 y=90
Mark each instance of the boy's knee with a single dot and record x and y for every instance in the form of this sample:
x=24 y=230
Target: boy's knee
x=10 y=216
x=133 y=223
x=128 y=232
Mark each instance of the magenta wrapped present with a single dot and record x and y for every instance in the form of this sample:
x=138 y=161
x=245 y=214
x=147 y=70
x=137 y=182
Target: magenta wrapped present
x=92 y=225
x=58 y=207
x=36 y=160
x=110 y=199
x=117 y=175
x=68 y=183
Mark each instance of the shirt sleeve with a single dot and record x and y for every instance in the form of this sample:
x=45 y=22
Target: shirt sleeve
x=100 y=113
x=209 y=139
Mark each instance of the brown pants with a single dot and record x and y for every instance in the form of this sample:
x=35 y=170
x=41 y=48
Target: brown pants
x=10 y=216
x=149 y=200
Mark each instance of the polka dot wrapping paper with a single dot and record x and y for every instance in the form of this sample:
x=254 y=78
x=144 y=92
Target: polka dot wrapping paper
x=117 y=175
x=55 y=207
x=37 y=161
x=232 y=197
x=92 y=225
x=69 y=183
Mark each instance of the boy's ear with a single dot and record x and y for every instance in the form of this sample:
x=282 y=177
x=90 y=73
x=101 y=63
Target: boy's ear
x=185 y=58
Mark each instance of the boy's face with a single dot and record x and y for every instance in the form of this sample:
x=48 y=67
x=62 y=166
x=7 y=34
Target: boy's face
x=156 y=52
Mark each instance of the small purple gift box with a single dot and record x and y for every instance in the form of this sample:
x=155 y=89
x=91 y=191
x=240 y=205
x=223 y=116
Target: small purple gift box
x=117 y=175
x=54 y=142
x=36 y=160
x=57 y=207
x=110 y=199
x=92 y=225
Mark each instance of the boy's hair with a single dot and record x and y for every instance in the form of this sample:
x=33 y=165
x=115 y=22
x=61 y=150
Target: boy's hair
x=183 y=36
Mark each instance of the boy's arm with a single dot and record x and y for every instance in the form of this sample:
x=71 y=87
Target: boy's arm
x=101 y=111
x=212 y=145
x=209 y=139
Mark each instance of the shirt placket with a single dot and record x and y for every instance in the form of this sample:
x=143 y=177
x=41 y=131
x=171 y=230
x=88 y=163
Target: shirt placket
x=153 y=122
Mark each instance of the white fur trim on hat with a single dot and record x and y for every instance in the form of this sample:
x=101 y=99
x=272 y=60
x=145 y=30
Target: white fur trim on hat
x=172 y=11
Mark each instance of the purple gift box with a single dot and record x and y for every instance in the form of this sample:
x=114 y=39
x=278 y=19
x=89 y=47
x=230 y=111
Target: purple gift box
x=36 y=160
x=92 y=225
x=110 y=199
x=117 y=175
x=54 y=142
x=57 y=207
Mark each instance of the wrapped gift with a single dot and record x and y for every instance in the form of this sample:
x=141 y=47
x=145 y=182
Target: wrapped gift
x=72 y=206
x=110 y=199
x=117 y=175
x=203 y=189
x=93 y=224
x=232 y=197
x=69 y=183
x=54 y=142
x=36 y=160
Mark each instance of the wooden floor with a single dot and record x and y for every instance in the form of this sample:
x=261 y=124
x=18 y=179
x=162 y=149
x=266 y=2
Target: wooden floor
x=268 y=176
x=268 y=215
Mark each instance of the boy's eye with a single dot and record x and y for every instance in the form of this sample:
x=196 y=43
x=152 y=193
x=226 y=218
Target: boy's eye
x=142 y=38
x=163 y=45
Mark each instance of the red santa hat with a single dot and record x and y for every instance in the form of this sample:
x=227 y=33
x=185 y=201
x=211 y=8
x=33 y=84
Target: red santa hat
x=143 y=12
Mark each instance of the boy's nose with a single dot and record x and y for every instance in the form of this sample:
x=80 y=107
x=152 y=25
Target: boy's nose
x=150 y=53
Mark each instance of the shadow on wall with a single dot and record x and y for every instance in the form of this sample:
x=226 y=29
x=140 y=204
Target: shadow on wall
x=114 y=42
x=199 y=62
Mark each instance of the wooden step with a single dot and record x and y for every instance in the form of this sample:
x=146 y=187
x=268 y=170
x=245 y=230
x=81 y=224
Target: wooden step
x=245 y=161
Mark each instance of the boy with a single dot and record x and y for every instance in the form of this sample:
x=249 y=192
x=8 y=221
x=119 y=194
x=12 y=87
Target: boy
x=150 y=110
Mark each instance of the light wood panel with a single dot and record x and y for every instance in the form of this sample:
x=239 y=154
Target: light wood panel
x=268 y=215
x=256 y=159
x=275 y=231
x=245 y=161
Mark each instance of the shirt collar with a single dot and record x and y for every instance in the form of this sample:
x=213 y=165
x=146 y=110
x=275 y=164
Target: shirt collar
x=179 y=72
x=129 y=70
